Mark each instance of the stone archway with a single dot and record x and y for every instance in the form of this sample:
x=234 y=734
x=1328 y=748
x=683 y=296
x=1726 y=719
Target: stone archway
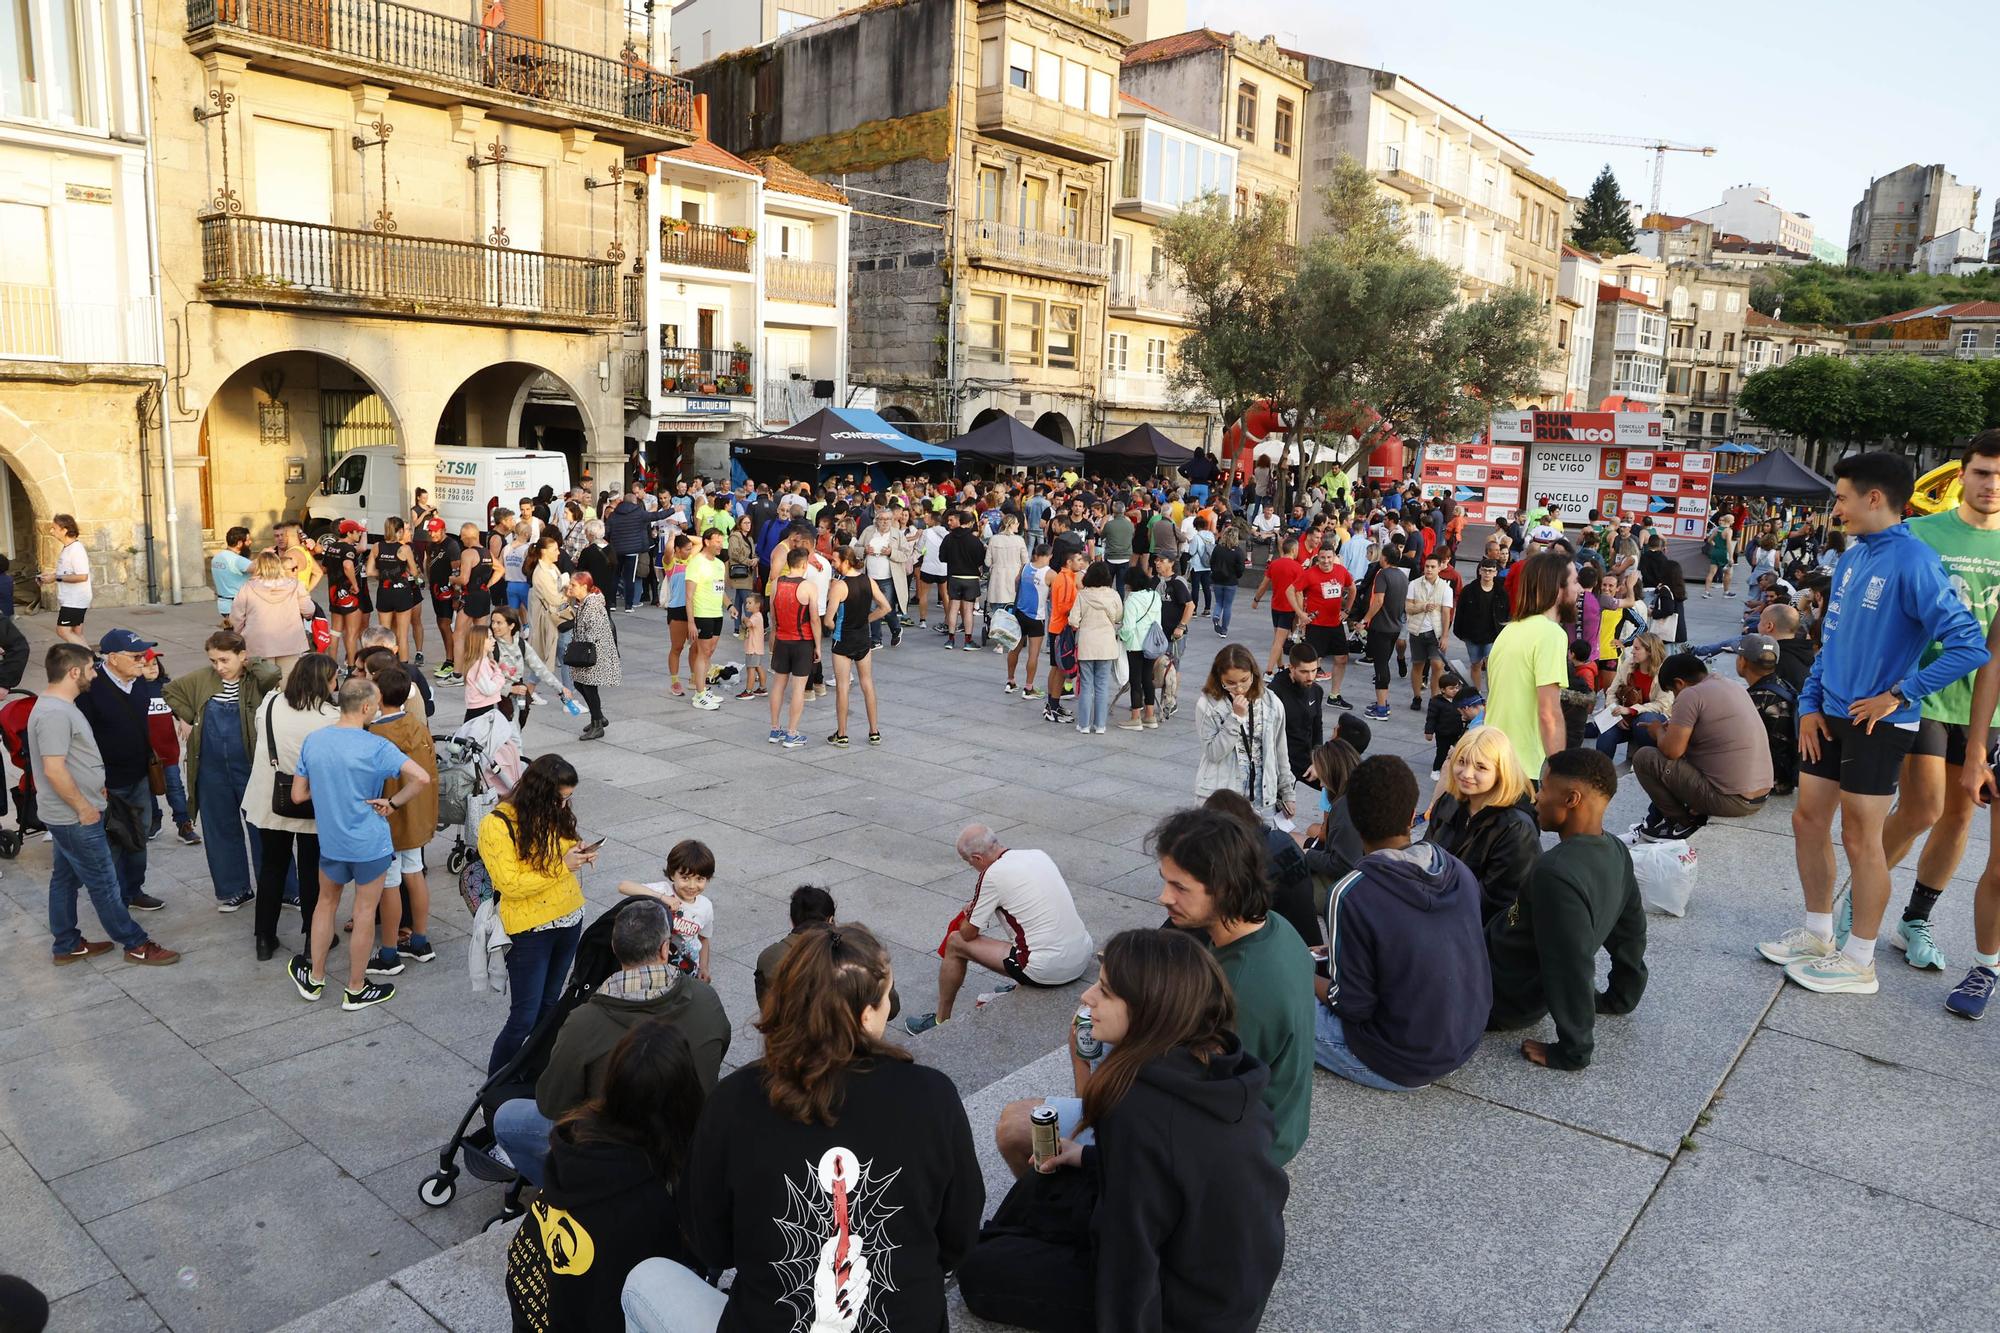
x=518 y=405
x=986 y=418
x=904 y=420
x=1057 y=427
x=34 y=475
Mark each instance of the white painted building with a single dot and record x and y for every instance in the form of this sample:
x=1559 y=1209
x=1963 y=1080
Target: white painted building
x=1576 y=301
x=1960 y=250
x=1748 y=211
x=705 y=29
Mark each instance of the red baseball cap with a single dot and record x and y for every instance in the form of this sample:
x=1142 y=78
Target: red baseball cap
x=348 y=525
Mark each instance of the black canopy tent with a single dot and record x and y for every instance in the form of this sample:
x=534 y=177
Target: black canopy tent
x=1777 y=476
x=1143 y=445
x=1006 y=441
x=825 y=438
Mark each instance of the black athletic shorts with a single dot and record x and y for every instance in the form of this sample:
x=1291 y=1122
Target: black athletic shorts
x=677 y=613
x=1283 y=619
x=478 y=603
x=71 y=615
x=1011 y=965
x=963 y=589
x=853 y=652
x=1031 y=628
x=1945 y=739
x=1863 y=763
x=1328 y=640
x=931 y=578
x=708 y=627
x=792 y=657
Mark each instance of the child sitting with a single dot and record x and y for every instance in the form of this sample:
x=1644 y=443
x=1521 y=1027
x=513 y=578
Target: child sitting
x=755 y=657
x=690 y=865
x=1443 y=720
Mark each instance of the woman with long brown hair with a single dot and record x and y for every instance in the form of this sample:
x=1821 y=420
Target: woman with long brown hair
x=1188 y=1229
x=835 y=1175
x=531 y=851
x=1242 y=730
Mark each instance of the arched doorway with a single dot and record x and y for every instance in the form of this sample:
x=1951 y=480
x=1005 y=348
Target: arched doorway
x=1055 y=426
x=518 y=405
x=276 y=428
x=986 y=418
x=904 y=420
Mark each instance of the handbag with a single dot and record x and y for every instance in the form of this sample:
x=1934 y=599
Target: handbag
x=282 y=804
x=156 y=775
x=738 y=571
x=581 y=654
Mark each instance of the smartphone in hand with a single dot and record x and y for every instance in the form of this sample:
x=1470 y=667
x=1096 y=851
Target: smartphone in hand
x=593 y=846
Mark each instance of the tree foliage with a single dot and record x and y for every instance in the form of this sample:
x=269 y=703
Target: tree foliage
x=1904 y=402
x=1825 y=294
x=1604 y=223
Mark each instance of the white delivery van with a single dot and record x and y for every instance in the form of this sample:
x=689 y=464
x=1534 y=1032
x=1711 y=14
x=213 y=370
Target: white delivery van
x=367 y=484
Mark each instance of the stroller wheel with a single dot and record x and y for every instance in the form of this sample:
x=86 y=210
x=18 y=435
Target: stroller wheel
x=456 y=861
x=10 y=843
x=437 y=1191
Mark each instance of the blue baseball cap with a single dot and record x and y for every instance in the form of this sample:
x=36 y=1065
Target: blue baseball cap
x=123 y=641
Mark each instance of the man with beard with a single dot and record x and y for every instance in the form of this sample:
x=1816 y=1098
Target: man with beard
x=1529 y=665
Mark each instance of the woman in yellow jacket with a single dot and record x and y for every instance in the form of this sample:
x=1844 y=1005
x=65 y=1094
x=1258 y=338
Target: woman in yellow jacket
x=529 y=847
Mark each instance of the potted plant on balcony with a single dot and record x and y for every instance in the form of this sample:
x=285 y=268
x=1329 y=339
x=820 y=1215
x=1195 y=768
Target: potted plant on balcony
x=708 y=386
x=726 y=385
x=743 y=235
x=739 y=359
x=678 y=226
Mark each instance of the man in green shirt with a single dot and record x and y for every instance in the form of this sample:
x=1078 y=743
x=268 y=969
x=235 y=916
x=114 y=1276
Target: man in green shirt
x=1582 y=897
x=1529 y=665
x=1931 y=793
x=1118 y=534
x=705 y=597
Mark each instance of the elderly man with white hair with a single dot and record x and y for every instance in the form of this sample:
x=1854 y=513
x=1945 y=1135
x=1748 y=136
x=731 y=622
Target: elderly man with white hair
x=1021 y=922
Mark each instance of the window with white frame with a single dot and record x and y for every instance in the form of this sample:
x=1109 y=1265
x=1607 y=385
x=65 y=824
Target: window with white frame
x=1117 y=353
x=1100 y=93
x=1021 y=66
x=989 y=62
x=1156 y=357
x=985 y=317
x=57 y=62
x=1708 y=298
x=1075 y=79
x=1024 y=331
x=1048 y=75
x=1065 y=329
x=1969 y=340
x=1732 y=302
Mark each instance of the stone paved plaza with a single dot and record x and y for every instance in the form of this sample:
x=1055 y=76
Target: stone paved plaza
x=193 y=1148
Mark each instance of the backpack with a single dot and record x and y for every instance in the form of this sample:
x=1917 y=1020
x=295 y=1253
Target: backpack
x=1777 y=705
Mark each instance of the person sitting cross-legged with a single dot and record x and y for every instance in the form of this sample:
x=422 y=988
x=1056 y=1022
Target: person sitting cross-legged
x=645 y=987
x=1710 y=756
x=1581 y=898
x=1409 y=986
x=1046 y=942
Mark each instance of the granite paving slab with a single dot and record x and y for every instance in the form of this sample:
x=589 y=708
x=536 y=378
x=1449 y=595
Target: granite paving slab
x=110 y=1187
x=40 y=1239
x=112 y=1306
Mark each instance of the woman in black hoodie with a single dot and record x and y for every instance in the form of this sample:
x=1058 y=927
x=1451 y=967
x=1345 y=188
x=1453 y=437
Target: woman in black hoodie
x=607 y=1200
x=836 y=1176
x=1188 y=1232
x=1486 y=817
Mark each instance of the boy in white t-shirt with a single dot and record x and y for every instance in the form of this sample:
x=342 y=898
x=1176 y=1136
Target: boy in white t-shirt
x=690 y=866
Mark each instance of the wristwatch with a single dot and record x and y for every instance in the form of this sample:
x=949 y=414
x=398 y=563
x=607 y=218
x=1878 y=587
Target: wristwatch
x=1897 y=691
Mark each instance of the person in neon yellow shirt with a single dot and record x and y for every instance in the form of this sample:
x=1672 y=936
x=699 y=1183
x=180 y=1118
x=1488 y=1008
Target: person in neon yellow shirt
x=706 y=577
x=1529 y=664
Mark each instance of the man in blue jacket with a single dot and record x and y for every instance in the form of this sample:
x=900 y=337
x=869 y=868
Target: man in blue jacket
x=1890 y=600
x=1411 y=987
x=632 y=529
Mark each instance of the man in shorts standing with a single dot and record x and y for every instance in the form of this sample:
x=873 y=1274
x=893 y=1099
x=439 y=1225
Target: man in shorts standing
x=341 y=771
x=1858 y=714
x=795 y=608
x=1322 y=593
x=964 y=555
x=71 y=579
x=1279 y=575
x=707 y=577
x=1930 y=793
x=1429 y=604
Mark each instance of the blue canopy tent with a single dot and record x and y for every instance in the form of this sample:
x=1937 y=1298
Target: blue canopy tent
x=831 y=440
x=1732 y=447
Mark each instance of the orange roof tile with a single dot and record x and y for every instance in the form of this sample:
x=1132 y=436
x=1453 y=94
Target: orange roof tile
x=1143 y=105
x=705 y=153
x=1180 y=44
x=785 y=178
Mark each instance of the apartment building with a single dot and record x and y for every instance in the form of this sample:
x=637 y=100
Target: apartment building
x=387 y=225
x=705 y=29
x=1748 y=211
x=1629 y=349
x=1707 y=309
x=1898 y=211
x=1163 y=165
x=1534 y=246
x=1449 y=173
x=80 y=365
x=738 y=321
x=1675 y=239
x=1960 y=250
x=1576 y=322
x=979 y=162
x=1967 y=330
x=1769 y=342
x=1248 y=94
x=1144 y=20
x=1993 y=236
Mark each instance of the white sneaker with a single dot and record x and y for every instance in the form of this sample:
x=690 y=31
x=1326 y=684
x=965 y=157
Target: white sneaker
x=707 y=701
x=1836 y=974
x=1797 y=945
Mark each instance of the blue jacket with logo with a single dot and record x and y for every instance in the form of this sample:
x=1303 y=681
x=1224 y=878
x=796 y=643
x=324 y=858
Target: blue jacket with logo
x=1890 y=600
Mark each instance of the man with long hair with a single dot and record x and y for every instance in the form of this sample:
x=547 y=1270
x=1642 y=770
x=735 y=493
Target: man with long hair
x=1529 y=664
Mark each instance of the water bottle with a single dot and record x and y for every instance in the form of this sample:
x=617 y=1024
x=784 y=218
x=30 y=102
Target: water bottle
x=1088 y=1047
x=572 y=707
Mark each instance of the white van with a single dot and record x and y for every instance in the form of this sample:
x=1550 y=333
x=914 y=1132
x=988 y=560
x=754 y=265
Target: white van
x=367 y=484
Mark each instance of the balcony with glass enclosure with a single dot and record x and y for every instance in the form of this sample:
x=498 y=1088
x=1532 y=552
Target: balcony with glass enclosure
x=1162 y=168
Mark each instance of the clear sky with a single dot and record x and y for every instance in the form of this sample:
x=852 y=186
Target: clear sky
x=1792 y=96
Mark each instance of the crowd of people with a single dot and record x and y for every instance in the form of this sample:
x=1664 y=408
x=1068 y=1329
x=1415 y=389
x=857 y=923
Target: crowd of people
x=1322 y=906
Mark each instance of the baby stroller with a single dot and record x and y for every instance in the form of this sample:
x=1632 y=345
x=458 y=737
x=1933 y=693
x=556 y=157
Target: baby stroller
x=478 y=766
x=14 y=740
x=593 y=965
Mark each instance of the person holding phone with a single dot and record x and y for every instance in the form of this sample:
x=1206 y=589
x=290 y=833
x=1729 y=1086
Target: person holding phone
x=1242 y=728
x=531 y=849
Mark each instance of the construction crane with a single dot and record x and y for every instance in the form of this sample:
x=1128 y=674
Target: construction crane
x=1660 y=148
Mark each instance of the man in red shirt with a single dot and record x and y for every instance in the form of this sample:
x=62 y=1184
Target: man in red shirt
x=1279 y=576
x=1321 y=593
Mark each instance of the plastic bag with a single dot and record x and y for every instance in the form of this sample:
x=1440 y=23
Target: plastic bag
x=1121 y=670
x=1666 y=874
x=1003 y=629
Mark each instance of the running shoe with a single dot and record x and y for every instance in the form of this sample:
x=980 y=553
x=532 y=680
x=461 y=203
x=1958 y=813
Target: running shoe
x=1797 y=945
x=1340 y=701
x=794 y=740
x=919 y=1024
x=233 y=904
x=418 y=660
x=417 y=947
x=1380 y=712
x=145 y=902
x=385 y=963
x=674 y=687
x=706 y=701
x=1835 y=974
x=1056 y=715
x=746 y=694
x=373 y=992
x=1030 y=692
x=777 y=736
x=1131 y=724
x=185 y=832
x=837 y=739
x=87 y=949
x=1919 y=947
x=949 y=645
x=874 y=738
x=1009 y=689
x=1967 y=999
x=301 y=974
x=1417 y=704
x=1151 y=724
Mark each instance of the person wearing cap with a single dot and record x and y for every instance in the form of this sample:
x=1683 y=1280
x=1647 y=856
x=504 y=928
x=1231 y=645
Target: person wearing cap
x=1777 y=702
x=116 y=704
x=1709 y=755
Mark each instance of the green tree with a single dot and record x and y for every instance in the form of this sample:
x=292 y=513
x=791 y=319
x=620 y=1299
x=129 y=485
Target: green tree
x=1604 y=223
x=1815 y=399
x=1916 y=402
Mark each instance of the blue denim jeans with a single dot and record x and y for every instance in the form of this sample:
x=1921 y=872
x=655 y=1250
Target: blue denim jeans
x=662 y=1296
x=628 y=582
x=1330 y=1052
x=1095 y=683
x=1225 y=602
x=891 y=625
x=83 y=858
x=520 y=1127
x=537 y=969
x=221 y=780
x=177 y=797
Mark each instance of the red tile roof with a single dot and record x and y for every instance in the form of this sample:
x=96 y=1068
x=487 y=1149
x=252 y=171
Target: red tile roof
x=1959 y=310
x=1180 y=44
x=1612 y=292
x=1571 y=252
x=705 y=153
x=785 y=178
x=1143 y=105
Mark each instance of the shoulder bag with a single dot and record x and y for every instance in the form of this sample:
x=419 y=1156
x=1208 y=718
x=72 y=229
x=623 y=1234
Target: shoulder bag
x=282 y=804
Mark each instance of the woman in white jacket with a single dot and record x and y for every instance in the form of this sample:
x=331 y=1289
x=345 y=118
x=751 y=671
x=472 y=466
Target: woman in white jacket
x=1242 y=728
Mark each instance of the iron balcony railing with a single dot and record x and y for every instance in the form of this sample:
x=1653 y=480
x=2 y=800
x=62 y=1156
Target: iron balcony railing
x=801 y=280
x=1028 y=245
x=707 y=370
x=633 y=364
x=632 y=304
x=309 y=263
x=704 y=246
x=401 y=37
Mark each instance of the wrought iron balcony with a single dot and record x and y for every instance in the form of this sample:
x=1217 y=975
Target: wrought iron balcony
x=801 y=280
x=632 y=299
x=1004 y=243
x=707 y=370
x=633 y=366
x=702 y=246
x=376 y=36
x=270 y=261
